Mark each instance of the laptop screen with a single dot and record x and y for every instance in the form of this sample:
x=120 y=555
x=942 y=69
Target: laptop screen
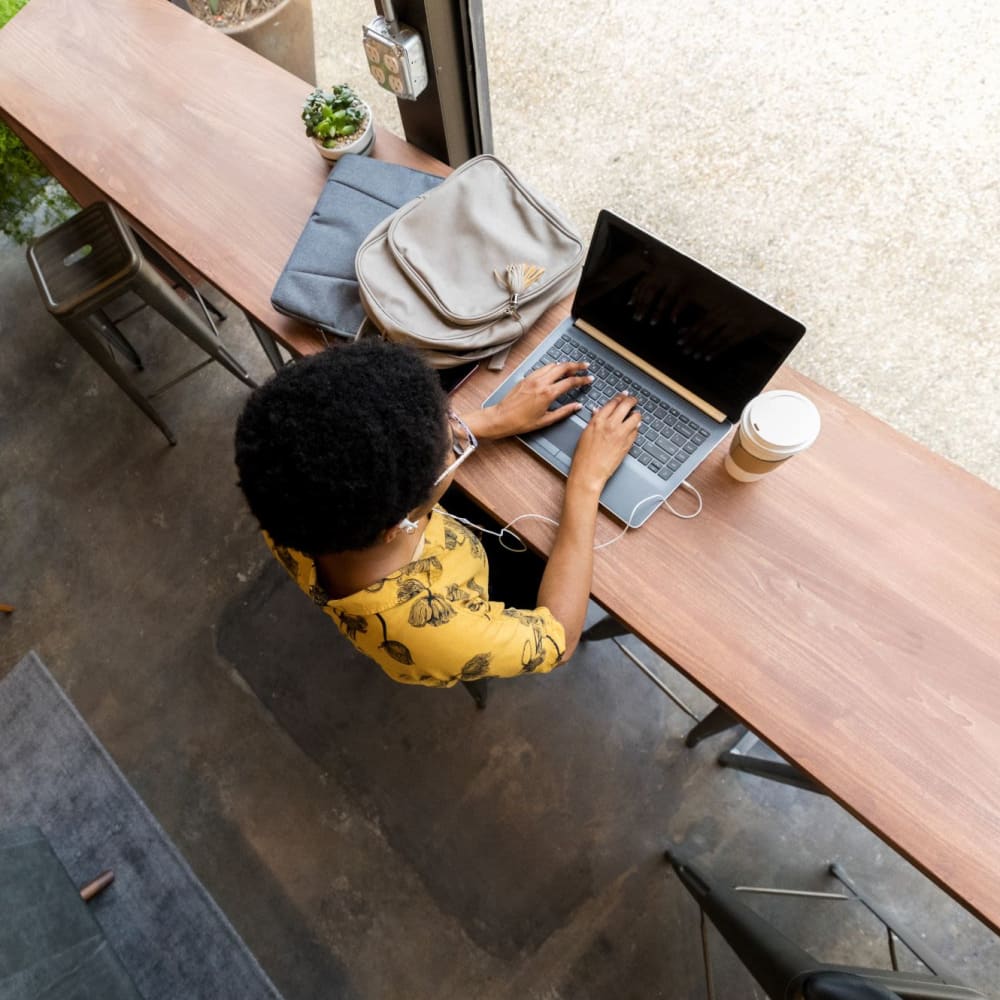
x=715 y=339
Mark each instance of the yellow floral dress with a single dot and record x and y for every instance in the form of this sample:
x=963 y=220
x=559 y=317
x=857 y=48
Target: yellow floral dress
x=432 y=622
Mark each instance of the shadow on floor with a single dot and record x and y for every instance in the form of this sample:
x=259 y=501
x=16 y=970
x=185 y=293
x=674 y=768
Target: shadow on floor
x=508 y=816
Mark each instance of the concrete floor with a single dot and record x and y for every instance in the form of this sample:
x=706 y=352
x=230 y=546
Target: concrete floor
x=375 y=841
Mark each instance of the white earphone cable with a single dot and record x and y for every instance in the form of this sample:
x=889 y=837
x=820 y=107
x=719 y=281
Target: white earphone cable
x=506 y=529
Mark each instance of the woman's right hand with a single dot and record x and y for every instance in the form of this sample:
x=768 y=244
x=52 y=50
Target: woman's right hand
x=604 y=443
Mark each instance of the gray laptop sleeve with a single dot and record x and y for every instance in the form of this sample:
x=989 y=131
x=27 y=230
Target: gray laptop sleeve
x=318 y=284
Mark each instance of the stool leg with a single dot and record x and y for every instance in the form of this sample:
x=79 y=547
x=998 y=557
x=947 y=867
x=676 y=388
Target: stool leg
x=267 y=342
x=209 y=304
x=179 y=280
x=118 y=339
x=88 y=334
x=151 y=287
x=923 y=951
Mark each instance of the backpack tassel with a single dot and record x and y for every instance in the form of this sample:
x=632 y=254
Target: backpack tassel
x=516 y=279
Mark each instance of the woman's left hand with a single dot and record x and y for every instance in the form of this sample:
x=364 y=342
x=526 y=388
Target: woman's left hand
x=526 y=407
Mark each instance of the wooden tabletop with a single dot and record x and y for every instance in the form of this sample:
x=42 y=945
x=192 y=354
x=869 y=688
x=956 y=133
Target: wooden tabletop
x=847 y=607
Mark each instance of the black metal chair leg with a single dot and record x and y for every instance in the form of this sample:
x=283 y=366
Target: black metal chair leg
x=477 y=691
x=89 y=335
x=604 y=628
x=717 y=721
x=774 y=770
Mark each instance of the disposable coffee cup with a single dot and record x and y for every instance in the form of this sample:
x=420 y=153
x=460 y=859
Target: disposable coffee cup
x=773 y=427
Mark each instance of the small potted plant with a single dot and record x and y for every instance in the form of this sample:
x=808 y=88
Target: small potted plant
x=339 y=122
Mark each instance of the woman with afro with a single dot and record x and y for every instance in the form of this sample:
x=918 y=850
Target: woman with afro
x=343 y=458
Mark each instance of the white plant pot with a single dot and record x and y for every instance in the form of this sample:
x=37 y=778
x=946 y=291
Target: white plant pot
x=361 y=145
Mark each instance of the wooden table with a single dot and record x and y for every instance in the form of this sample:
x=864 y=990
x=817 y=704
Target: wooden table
x=847 y=608
x=196 y=137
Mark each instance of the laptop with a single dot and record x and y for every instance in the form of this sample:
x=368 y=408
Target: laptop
x=692 y=347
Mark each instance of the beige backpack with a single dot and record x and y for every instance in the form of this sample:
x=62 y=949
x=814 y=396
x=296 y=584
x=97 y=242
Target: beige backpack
x=462 y=271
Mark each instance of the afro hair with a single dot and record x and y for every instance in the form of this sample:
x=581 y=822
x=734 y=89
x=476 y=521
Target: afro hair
x=339 y=446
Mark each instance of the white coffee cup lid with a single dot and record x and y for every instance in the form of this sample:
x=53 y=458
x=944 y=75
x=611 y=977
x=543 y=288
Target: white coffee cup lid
x=780 y=422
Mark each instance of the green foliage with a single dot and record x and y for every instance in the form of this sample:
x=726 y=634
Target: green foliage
x=333 y=114
x=8 y=8
x=30 y=200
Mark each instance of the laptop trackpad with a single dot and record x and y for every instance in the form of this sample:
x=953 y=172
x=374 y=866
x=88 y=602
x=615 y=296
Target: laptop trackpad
x=561 y=437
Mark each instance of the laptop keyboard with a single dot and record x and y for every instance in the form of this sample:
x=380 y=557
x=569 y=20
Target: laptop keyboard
x=666 y=438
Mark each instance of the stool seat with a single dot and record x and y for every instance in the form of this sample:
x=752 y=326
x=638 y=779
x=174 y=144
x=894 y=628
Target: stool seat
x=93 y=258
x=87 y=261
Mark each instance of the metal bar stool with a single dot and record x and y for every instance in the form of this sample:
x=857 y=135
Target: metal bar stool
x=787 y=972
x=92 y=259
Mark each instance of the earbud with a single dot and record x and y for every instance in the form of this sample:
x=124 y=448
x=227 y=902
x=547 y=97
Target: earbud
x=408 y=526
